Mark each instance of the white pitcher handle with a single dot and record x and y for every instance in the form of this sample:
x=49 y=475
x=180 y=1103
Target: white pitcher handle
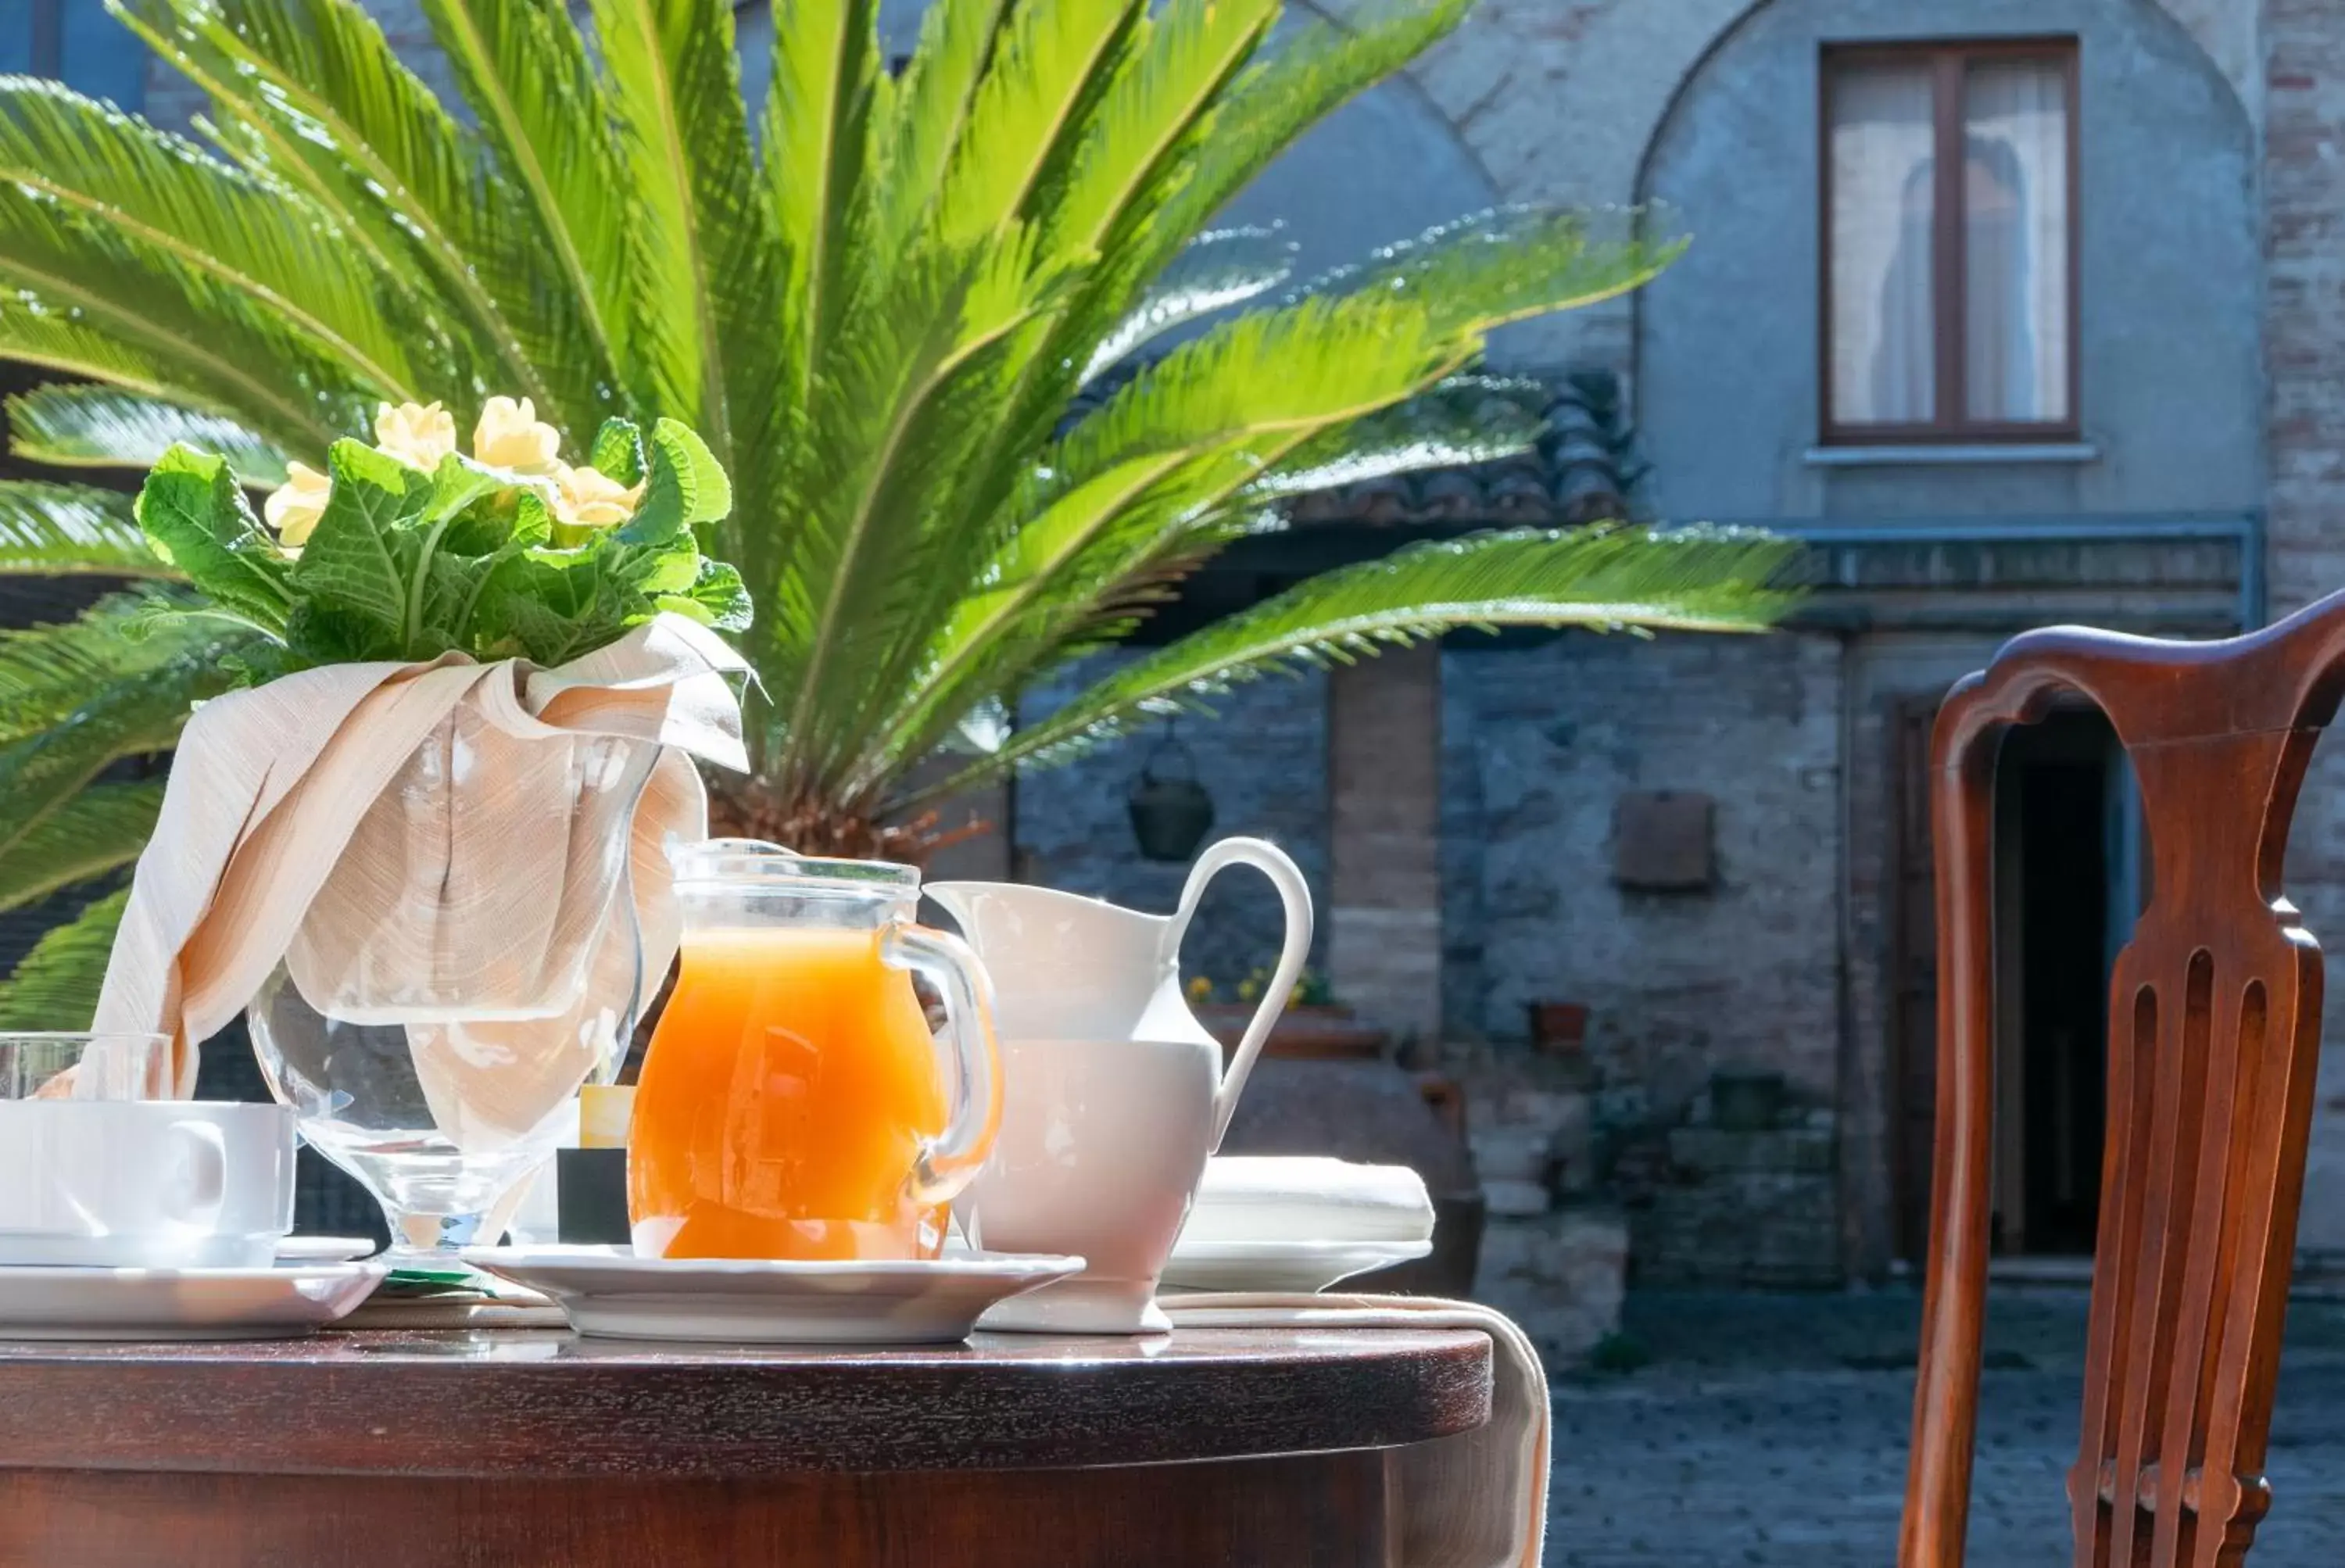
x=1294 y=895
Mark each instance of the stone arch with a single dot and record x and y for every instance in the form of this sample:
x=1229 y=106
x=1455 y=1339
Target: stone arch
x=2225 y=50
x=2170 y=238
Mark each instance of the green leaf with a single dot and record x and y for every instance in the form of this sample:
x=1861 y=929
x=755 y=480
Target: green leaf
x=55 y=530
x=195 y=340
x=197 y=519
x=618 y=452
x=385 y=573
x=101 y=830
x=686 y=486
x=1302 y=79
x=554 y=605
x=1038 y=97
x=56 y=986
x=100 y=427
x=1692 y=580
x=1162 y=100
x=1463 y=421
x=718 y=599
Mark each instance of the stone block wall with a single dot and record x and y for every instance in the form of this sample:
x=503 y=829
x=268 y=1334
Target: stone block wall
x=1677 y=984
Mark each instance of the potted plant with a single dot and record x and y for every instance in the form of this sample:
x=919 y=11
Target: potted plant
x=461 y=681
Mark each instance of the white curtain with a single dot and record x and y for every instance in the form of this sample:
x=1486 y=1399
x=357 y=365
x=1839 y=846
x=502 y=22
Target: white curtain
x=1883 y=344
x=2016 y=239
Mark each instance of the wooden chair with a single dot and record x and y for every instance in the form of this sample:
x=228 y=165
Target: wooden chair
x=2214 y=1035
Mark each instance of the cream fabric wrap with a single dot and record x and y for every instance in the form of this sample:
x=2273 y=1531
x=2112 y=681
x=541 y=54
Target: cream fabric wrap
x=271 y=785
x=1477 y=1499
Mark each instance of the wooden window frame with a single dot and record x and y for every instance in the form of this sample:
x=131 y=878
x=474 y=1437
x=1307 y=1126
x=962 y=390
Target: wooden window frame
x=1949 y=60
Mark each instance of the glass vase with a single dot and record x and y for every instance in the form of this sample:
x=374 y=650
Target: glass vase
x=472 y=959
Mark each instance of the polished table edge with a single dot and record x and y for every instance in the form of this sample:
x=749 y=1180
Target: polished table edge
x=545 y=1403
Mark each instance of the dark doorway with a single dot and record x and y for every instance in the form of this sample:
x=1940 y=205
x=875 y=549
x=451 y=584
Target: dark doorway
x=2062 y=824
x=2067 y=886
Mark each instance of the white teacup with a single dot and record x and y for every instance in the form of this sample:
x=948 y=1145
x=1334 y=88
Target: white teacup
x=1102 y=1144
x=144 y=1183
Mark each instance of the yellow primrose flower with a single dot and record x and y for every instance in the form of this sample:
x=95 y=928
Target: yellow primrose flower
x=418 y=435
x=1200 y=989
x=293 y=507
x=511 y=436
x=589 y=498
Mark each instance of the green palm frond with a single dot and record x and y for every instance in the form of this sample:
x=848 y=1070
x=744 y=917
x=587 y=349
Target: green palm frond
x=48 y=672
x=135 y=714
x=323 y=104
x=1161 y=101
x=936 y=98
x=526 y=73
x=1301 y=81
x=55 y=530
x=1025 y=129
x=167 y=195
x=202 y=336
x=100 y=427
x=821 y=140
x=1485 y=271
x=1605 y=579
x=101 y=830
x=1213 y=272
x=56 y=986
x=1186 y=426
x=707 y=278
x=1464 y=420
x=914 y=394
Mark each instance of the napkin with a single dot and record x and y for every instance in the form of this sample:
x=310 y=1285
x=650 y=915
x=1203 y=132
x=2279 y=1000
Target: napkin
x=1477 y=1499
x=270 y=786
x=1272 y=1197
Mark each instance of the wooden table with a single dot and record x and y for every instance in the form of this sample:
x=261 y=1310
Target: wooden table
x=519 y=1448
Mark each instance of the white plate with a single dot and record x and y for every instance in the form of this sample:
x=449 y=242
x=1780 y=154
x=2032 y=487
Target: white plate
x=38 y=1303
x=1285 y=1266
x=610 y=1290
x=323 y=1248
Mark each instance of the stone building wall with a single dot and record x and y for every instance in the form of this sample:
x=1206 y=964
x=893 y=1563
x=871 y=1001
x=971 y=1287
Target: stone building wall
x=1676 y=983
x=2304 y=235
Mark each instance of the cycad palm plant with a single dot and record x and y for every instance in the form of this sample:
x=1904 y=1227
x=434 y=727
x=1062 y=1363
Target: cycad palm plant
x=880 y=305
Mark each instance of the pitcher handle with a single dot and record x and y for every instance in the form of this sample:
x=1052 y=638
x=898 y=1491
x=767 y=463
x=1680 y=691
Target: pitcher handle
x=950 y=1161
x=1294 y=897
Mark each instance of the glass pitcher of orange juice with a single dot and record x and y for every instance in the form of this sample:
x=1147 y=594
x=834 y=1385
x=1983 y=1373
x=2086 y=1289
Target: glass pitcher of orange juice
x=794 y=1102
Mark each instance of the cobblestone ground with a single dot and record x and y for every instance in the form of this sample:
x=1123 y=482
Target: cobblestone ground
x=1772 y=1430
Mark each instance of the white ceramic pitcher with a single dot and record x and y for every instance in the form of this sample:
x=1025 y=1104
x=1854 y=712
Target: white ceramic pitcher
x=1113 y=1095
x=1067 y=967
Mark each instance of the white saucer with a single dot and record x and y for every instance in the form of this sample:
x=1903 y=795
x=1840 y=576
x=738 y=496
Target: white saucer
x=323 y=1248
x=1285 y=1266
x=609 y=1291
x=45 y=1303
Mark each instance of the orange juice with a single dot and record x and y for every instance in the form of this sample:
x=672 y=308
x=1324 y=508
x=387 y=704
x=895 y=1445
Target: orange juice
x=784 y=1099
